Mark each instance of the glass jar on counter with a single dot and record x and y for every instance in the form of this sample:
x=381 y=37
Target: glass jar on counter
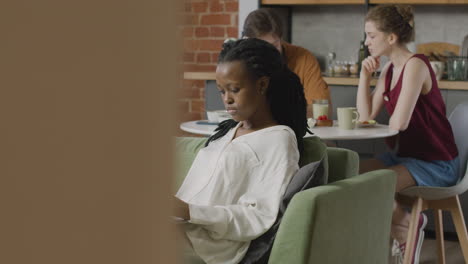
x=331 y=64
x=345 y=68
x=319 y=108
x=353 y=68
x=338 y=68
x=457 y=68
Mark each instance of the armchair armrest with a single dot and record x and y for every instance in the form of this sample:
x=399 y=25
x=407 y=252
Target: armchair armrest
x=186 y=151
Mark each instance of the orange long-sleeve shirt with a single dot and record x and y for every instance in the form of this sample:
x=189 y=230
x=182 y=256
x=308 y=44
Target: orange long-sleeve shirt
x=305 y=65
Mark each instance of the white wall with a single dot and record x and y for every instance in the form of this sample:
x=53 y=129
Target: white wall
x=323 y=29
x=245 y=7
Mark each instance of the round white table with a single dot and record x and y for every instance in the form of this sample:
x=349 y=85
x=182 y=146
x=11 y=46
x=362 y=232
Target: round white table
x=202 y=127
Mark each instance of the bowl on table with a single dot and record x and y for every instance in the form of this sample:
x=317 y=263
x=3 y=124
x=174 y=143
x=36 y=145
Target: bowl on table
x=223 y=115
x=212 y=116
x=217 y=116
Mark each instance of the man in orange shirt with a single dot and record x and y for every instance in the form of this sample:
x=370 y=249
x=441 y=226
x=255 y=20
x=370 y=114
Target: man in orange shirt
x=266 y=25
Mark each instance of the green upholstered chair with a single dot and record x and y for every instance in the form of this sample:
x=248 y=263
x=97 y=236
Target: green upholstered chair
x=345 y=221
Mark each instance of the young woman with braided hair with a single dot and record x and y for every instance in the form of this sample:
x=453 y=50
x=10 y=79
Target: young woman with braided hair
x=232 y=192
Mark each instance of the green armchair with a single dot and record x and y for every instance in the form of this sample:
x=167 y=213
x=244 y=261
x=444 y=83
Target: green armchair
x=345 y=221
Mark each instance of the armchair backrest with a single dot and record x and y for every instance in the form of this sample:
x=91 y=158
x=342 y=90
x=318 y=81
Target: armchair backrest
x=347 y=221
x=338 y=164
x=188 y=147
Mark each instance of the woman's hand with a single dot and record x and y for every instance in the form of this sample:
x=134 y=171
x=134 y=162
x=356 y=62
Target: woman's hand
x=369 y=66
x=181 y=209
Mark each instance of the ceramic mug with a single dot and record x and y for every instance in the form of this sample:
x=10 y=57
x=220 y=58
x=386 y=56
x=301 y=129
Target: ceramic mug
x=438 y=67
x=345 y=117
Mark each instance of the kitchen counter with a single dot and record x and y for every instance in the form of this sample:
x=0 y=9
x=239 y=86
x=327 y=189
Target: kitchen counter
x=351 y=81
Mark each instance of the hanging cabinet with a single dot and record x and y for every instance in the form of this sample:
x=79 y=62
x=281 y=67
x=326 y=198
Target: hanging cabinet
x=357 y=2
x=313 y=2
x=419 y=2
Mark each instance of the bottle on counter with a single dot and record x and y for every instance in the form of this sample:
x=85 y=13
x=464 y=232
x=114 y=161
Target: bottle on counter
x=361 y=55
x=331 y=64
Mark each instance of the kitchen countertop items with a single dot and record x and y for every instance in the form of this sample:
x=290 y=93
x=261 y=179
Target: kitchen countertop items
x=464 y=47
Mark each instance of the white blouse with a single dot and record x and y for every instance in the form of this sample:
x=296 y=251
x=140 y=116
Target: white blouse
x=234 y=189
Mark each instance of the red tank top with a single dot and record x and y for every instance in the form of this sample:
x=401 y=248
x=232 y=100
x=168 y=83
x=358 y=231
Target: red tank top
x=429 y=135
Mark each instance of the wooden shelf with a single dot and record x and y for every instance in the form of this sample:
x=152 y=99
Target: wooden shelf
x=199 y=76
x=354 y=81
x=453 y=85
x=361 y=2
x=313 y=2
x=345 y=81
x=419 y=2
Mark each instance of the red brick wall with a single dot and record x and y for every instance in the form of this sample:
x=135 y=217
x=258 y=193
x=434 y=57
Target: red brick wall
x=207 y=23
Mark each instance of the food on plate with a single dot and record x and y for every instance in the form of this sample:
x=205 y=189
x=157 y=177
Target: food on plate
x=322 y=117
x=324 y=122
x=367 y=123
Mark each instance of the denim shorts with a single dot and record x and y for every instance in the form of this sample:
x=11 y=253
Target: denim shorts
x=436 y=173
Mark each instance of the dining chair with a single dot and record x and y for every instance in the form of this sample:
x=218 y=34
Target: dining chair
x=441 y=198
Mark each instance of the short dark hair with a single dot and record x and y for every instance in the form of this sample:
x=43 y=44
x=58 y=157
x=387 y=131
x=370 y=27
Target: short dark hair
x=262 y=21
x=285 y=93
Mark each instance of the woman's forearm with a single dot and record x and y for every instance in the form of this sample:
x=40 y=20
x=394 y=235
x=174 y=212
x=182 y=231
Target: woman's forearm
x=364 y=98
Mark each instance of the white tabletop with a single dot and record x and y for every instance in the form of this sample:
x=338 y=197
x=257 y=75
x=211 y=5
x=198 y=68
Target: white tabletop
x=335 y=133
x=328 y=133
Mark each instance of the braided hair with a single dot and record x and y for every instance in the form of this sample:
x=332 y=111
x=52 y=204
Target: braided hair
x=285 y=93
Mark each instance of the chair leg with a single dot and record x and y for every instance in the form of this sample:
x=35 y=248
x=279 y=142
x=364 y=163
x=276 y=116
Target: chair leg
x=439 y=235
x=460 y=226
x=413 y=227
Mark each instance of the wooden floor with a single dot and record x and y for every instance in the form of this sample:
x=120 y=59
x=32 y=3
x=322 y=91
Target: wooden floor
x=453 y=252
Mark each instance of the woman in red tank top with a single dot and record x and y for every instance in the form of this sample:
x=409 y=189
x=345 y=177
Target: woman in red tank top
x=424 y=150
